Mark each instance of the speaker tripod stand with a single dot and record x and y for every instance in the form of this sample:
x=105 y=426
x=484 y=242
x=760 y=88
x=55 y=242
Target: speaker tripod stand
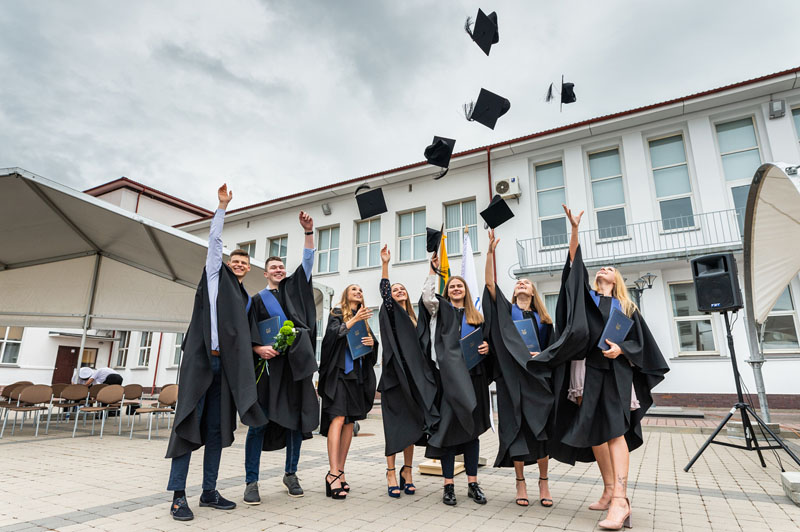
x=751 y=442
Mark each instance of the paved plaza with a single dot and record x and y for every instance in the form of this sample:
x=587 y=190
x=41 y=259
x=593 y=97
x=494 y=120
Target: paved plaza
x=55 y=482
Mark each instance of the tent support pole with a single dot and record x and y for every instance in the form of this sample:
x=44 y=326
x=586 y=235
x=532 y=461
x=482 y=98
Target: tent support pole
x=756 y=360
x=89 y=306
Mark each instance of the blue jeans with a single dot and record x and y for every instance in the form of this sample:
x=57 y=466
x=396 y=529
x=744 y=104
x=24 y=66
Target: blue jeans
x=208 y=406
x=252 y=451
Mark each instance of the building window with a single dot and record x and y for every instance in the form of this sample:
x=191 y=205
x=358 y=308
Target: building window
x=176 y=356
x=89 y=358
x=796 y=117
x=780 y=328
x=10 y=342
x=411 y=235
x=607 y=193
x=368 y=243
x=277 y=247
x=122 y=349
x=738 y=148
x=671 y=177
x=550 y=194
x=320 y=334
x=145 y=346
x=249 y=247
x=550 y=303
x=695 y=330
x=457 y=216
x=328 y=250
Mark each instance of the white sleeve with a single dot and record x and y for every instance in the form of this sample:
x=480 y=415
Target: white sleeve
x=429 y=294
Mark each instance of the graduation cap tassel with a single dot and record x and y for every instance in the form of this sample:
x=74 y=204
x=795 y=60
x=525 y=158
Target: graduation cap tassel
x=468 y=109
x=468 y=26
x=441 y=174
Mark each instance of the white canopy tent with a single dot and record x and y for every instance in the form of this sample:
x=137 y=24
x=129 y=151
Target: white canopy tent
x=71 y=260
x=771 y=251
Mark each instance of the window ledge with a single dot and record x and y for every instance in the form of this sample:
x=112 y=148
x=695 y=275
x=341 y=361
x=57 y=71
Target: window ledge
x=172 y=367
x=9 y=365
x=706 y=357
x=407 y=262
x=364 y=268
x=326 y=274
x=119 y=367
x=139 y=368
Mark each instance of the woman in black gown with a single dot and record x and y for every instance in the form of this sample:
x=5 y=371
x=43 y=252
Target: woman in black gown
x=524 y=397
x=463 y=394
x=346 y=386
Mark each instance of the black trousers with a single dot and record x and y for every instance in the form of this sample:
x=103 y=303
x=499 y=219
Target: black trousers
x=114 y=378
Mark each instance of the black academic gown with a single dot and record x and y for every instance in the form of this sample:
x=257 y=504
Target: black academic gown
x=524 y=395
x=350 y=395
x=238 y=388
x=407 y=384
x=462 y=395
x=288 y=392
x=605 y=408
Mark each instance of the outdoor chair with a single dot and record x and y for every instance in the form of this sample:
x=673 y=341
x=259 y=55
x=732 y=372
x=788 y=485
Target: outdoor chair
x=109 y=398
x=58 y=388
x=5 y=395
x=71 y=397
x=34 y=399
x=167 y=400
x=131 y=402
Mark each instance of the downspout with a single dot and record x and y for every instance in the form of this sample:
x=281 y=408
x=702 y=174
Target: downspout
x=138 y=197
x=491 y=195
x=158 y=356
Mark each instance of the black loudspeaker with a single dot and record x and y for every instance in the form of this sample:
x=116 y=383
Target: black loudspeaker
x=716 y=283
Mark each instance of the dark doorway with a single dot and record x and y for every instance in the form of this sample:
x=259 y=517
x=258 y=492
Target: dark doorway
x=66 y=362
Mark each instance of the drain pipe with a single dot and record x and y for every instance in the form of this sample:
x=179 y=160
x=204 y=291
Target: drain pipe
x=158 y=356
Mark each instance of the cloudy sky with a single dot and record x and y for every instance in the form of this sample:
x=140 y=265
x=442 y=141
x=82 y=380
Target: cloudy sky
x=280 y=96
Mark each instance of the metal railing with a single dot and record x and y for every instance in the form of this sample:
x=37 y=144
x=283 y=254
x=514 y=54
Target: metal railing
x=641 y=241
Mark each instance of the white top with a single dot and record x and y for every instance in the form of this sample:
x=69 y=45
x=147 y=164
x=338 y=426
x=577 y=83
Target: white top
x=99 y=375
x=431 y=303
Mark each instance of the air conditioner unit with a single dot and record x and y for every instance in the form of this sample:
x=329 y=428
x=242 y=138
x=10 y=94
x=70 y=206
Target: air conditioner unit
x=507 y=188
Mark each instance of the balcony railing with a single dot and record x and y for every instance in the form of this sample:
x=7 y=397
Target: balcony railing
x=637 y=242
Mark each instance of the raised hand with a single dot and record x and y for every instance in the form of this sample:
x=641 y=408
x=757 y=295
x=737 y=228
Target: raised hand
x=386 y=255
x=573 y=220
x=224 y=196
x=306 y=221
x=492 y=241
x=435 y=262
x=363 y=314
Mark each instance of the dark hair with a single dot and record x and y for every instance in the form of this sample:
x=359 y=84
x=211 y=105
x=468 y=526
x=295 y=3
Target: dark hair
x=241 y=252
x=272 y=258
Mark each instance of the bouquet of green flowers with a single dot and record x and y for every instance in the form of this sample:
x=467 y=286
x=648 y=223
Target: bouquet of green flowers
x=283 y=340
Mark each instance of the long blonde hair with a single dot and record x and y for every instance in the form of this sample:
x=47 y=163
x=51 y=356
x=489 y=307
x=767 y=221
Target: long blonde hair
x=344 y=305
x=538 y=305
x=407 y=306
x=473 y=316
x=620 y=291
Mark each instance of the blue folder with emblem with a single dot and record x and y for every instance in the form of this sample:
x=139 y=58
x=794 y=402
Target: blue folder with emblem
x=527 y=330
x=354 y=336
x=469 y=348
x=268 y=330
x=616 y=329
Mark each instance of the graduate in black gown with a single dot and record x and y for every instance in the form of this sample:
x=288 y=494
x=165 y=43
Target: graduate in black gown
x=407 y=384
x=463 y=395
x=605 y=424
x=346 y=386
x=524 y=396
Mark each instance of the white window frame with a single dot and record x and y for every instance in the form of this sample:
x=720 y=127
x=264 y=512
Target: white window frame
x=793 y=313
x=368 y=222
x=411 y=236
x=623 y=205
x=249 y=247
x=552 y=216
x=4 y=341
x=689 y=194
x=458 y=232
x=123 y=348
x=326 y=252
x=694 y=317
x=280 y=239
x=177 y=352
x=730 y=185
x=796 y=127
x=145 y=350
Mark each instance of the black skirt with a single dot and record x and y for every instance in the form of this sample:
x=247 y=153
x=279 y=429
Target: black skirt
x=348 y=401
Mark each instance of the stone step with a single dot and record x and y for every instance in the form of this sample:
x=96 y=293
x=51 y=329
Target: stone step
x=791 y=485
x=674 y=411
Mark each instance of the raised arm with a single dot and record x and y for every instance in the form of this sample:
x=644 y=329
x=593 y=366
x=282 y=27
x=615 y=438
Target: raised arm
x=573 y=239
x=489 y=280
x=385 y=286
x=214 y=255
x=307 y=224
x=429 y=288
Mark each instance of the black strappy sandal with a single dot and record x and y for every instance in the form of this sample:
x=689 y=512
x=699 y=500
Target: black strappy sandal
x=394 y=491
x=542 y=501
x=520 y=500
x=407 y=487
x=345 y=485
x=334 y=493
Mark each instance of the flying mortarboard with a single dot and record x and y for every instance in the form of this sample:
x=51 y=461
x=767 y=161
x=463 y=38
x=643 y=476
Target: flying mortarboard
x=485 y=32
x=370 y=203
x=487 y=109
x=497 y=213
x=567 y=92
x=434 y=238
x=439 y=153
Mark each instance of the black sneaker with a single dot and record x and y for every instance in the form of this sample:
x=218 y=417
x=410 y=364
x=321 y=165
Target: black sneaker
x=449 y=495
x=292 y=485
x=476 y=493
x=180 y=510
x=251 y=495
x=215 y=500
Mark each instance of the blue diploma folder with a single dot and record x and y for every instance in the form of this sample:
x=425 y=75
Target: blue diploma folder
x=469 y=348
x=268 y=330
x=527 y=330
x=616 y=329
x=354 y=336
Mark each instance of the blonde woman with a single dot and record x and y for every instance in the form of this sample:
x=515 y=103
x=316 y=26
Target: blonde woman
x=346 y=386
x=603 y=427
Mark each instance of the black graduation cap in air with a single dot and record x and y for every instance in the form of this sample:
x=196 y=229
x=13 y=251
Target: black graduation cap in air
x=433 y=240
x=487 y=109
x=370 y=203
x=497 y=213
x=567 y=92
x=439 y=153
x=485 y=32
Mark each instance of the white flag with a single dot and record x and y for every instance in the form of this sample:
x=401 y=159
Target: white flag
x=468 y=272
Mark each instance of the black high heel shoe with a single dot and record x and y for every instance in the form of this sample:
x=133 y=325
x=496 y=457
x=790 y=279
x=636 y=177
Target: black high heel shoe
x=333 y=493
x=394 y=491
x=345 y=485
x=407 y=487
x=547 y=503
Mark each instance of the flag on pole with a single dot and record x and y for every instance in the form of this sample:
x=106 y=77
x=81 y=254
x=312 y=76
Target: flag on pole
x=468 y=271
x=444 y=264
